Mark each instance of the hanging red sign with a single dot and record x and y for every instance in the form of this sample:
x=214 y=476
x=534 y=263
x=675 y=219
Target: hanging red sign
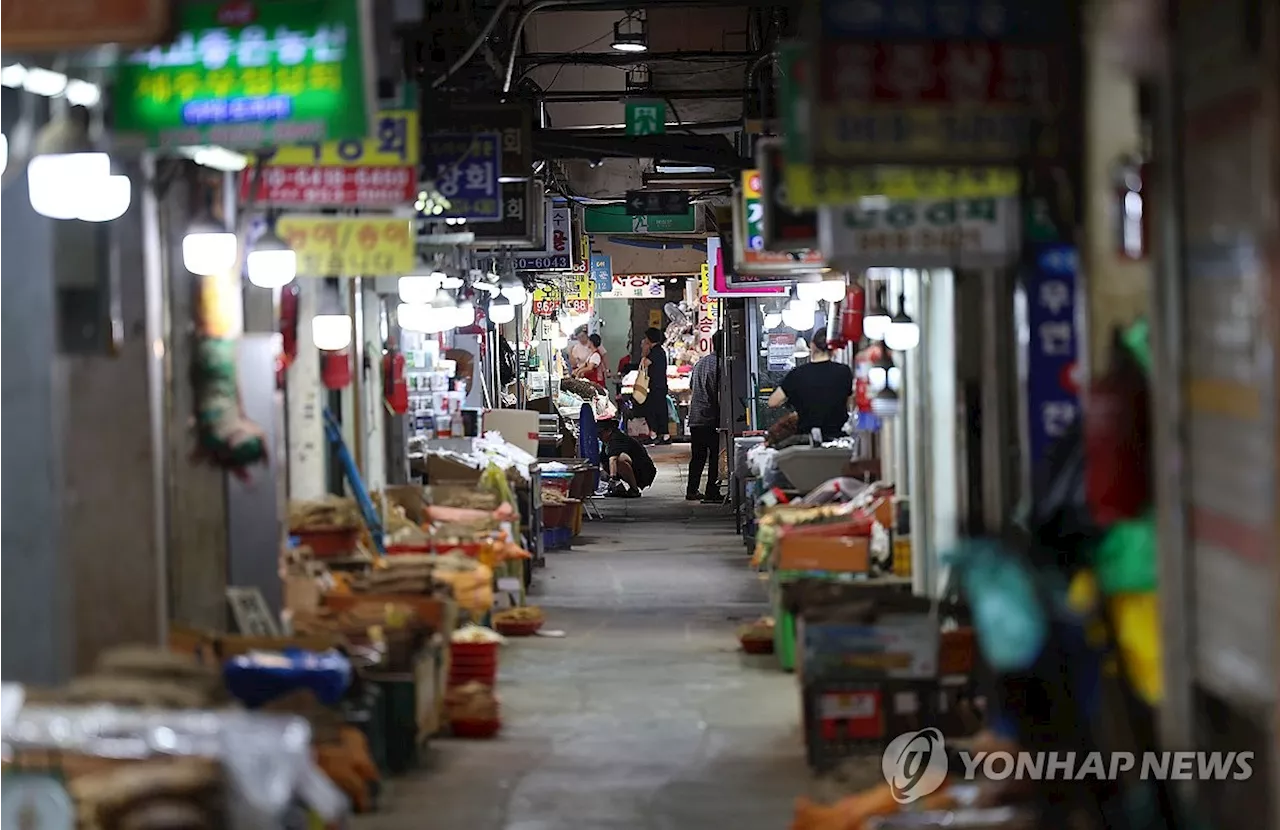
x=345 y=186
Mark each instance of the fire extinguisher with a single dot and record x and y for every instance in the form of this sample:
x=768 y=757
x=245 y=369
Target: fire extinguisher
x=335 y=369
x=1117 y=436
x=862 y=393
x=288 y=331
x=394 y=386
x=851 y=313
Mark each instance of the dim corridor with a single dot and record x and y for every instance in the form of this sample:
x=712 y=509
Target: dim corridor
x=645 y=715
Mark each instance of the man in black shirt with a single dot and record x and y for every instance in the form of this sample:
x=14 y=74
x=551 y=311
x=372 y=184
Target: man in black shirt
x=818 y=391
x=627 y=462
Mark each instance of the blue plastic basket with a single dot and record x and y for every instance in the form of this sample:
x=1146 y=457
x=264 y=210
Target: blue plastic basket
x=326 y=674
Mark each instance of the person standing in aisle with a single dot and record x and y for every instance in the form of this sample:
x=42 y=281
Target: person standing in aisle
x=654 y=362
x=579 y=350
x=820 y=391
x=605 y=371
x=704 y=424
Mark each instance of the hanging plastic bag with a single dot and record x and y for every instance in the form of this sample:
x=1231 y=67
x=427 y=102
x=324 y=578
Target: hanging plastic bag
x=1009 y=622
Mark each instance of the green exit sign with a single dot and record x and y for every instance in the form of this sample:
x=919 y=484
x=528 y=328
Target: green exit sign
x=248 y=74
x=646 y=117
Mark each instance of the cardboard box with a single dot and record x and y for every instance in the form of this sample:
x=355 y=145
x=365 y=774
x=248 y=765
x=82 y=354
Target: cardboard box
x=409 y=496
x=846 y=554
x=444 y=470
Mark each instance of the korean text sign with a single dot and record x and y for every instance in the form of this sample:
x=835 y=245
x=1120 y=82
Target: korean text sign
x=1053 y=402
x=468 y=167
x=244 y=75
x=333 y=246
x=393 y=142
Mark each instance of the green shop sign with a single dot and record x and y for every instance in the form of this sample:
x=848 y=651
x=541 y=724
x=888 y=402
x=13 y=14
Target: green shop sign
x=245 y=75
x=614 y=219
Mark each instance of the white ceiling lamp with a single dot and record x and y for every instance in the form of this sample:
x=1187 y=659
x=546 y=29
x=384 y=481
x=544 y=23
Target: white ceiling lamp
x=413 y=316
x=902 y=333
x=208 y=249
x=68 y=178
x=4 y=153
x=629 y=34
x=513 y=289
x=418 y=289
x=772 y=320
x=878 y=376
x=447 y=282
x=501 y=311
x=464 y=313
x=271 y=263
x=799 y=315
x=876 y=320
x=331 y=332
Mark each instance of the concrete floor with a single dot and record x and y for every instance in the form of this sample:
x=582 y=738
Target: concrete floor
x=645 y=715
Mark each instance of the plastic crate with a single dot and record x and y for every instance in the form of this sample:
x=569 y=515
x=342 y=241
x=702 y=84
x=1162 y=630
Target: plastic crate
x=556 y=538
x=844 y=719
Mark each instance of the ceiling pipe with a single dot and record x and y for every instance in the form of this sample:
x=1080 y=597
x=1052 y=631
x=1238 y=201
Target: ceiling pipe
x=584 y=96
x=610 y=59
x=590 y=5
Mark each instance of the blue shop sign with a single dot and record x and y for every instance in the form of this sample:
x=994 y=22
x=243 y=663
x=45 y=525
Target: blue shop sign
x=1053 y=401
x=943 y=19
x=602 y=273
x=467 y=168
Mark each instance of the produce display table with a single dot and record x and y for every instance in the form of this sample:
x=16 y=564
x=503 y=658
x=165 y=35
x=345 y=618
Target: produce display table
x=787 y=602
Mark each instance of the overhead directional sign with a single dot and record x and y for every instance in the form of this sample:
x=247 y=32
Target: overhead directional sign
x=614 y=219
x=646 y=117
x=657 y=202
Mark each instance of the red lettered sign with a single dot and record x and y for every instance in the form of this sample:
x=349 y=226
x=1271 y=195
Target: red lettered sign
x=345 y=186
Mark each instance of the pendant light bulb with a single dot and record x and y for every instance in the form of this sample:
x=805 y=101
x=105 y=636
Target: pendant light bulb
x=501 y=311
x=331 y=332
x=902 y=334
x=513 y=289
x=876 y=320
x=772 y=320
x=799 y=315
x=417 y=289
x=208 y=249
x=271 y=263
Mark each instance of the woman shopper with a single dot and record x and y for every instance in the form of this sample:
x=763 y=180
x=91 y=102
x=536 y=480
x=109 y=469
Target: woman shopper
x=704 y=424
x=654 y=363
x=592 y=367
x=819 y=391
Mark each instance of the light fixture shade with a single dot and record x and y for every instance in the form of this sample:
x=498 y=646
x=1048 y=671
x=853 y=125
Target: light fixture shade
x=109 y=200
x=799 y=315
x=417 y=289
x=809 y=292
x=513 y=289
x=902 y=334
x=271 y=263
x=464 y=314
x=832 y=291
x=802 y=348
x=443 y=299
x=772 y=320
x=331 y=332
x=446 y=281
x=414 y=316
x=501 y=311
x=208 y=250
x=876 y=320
x=56 y=183
x=886 y=404
x=878 y=378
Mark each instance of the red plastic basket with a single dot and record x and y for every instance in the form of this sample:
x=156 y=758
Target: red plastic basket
x=519 y=629
x=756 y=645
x=328 y=544
x=475 y=728
x=470 y=662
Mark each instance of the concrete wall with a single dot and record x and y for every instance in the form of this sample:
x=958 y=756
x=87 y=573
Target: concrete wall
x=1117 y=288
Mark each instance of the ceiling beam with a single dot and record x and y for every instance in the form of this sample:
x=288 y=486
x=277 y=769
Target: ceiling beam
x=586 y=96
x=631 y=59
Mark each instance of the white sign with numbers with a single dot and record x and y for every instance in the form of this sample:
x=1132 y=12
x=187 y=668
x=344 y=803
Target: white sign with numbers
x=970 y=233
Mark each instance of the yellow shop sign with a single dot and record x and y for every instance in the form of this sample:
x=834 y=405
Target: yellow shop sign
x=340 y=246
x=394 y=144
x=808 y=187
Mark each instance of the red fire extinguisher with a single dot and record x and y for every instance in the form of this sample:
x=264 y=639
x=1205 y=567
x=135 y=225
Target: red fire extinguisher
x=288 y=331
x=1117 y=434
x=862 y=394
x=851 y=313
x=335 y=369
x=394 y=386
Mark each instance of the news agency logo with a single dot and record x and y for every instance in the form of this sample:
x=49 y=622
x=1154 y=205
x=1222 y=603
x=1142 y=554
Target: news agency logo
x=915 y=765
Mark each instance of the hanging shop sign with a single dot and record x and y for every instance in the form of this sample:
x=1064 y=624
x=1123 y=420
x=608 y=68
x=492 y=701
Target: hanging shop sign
x=657 y=202
x=1053 y=402
x=557 y=253
x=342 y=246
x=67 y=26
x=795 y=72
x=602 y=273
x=942 y=19
x=369 y=172
x=949 y=233
x=806 y=188
x=520 y=222
x=708 y=319
x=751 y=256
x=633 y=287
x=582 y=261
x=785 y=228
x=935 y=101
x=574 y=298
x=244 y=75
x=466 y=173
x=512 y=122
x=614 y=219
x=721 y=286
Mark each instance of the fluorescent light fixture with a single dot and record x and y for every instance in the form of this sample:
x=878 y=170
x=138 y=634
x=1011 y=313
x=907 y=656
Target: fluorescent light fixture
x=678 y=170
x=216 y=158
